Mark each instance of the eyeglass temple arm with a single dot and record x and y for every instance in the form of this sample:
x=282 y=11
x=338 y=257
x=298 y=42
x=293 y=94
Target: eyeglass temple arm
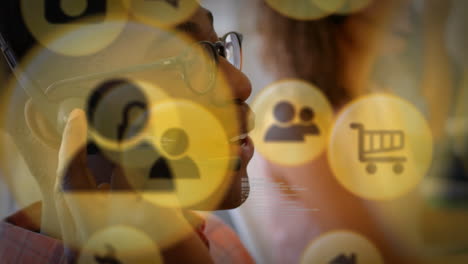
x=138 y=68
x=31 y=88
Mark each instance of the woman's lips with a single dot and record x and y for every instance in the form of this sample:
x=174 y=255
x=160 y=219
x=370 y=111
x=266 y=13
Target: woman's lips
x=245 y=143
x=247 y=150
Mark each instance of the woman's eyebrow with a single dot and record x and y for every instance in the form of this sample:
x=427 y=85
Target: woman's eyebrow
x=189 y=27
x=192 y=27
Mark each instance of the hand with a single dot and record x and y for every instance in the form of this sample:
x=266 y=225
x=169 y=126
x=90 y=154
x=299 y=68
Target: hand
x=85 y=208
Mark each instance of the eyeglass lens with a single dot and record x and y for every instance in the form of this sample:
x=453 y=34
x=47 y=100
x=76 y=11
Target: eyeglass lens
x=233 y=50
x=200 y=68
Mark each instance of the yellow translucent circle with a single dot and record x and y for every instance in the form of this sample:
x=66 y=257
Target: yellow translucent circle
x=153 y=95
x=296 y=147
x=121 y=244
x=298 y=9
x=329 y=5
x=339 y=247
x=73 y=24
x=380 y=147
x=164 y=13
x=351 y=6
x=199 y=170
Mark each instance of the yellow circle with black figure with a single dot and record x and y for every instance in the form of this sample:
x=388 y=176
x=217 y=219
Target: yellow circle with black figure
x=93 y=23
x=380 y=147
x=292 y=122
x=120 y=245
x=164 y=13
x=118 y=112
x=193 y=157
x=341 y=247
x=298 y=9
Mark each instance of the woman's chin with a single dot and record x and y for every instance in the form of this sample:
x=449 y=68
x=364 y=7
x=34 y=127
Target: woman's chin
x=238 y=192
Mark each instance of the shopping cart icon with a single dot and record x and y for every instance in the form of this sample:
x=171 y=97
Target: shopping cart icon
x=377 y=146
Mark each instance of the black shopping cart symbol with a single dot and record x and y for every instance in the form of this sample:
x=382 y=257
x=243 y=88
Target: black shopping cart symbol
x=374 y=144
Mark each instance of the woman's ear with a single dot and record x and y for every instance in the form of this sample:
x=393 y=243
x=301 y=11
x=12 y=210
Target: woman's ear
x=40 y=127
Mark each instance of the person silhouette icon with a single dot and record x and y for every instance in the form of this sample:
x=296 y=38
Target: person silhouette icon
x=175 y=143
x=284 y=113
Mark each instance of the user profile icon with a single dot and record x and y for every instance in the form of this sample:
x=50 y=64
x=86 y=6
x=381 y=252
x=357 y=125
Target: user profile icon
x=284 y=113
x=175 y=144
x=189 y=166
x=293 y=118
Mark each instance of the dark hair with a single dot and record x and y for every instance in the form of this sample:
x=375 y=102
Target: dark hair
x=306 y=50
x=14 y=29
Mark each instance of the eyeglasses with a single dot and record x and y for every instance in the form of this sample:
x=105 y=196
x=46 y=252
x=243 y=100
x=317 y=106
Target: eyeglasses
x=228 y=47
x=198 y=65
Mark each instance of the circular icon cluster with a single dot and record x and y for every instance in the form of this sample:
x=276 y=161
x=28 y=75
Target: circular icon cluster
x=379 y=148
x=167 y=134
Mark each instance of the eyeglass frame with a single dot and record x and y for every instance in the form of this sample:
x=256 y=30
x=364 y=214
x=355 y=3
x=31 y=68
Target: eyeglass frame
x=33 y=90
x=167 y=62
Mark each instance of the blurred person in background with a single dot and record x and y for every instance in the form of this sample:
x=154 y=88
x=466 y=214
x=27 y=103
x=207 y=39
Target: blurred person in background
x=339 y=54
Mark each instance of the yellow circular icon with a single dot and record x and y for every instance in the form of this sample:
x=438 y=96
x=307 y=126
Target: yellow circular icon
x=192 y=157
x=119 y=125
x=95 y=24
x=120 y=244
x=293 y=119
x=380 y=147
x=341 y=247
x=299 y=9
x=163 y=13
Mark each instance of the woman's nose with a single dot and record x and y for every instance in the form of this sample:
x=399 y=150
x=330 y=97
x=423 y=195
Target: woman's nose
x=240 y=84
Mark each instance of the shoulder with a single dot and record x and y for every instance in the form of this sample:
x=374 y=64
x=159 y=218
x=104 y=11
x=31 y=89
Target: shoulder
x=225 y=245
x=22 y=243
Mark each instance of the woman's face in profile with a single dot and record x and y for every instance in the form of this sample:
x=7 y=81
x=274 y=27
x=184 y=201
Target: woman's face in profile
x=225 y=100
x=241 y=89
